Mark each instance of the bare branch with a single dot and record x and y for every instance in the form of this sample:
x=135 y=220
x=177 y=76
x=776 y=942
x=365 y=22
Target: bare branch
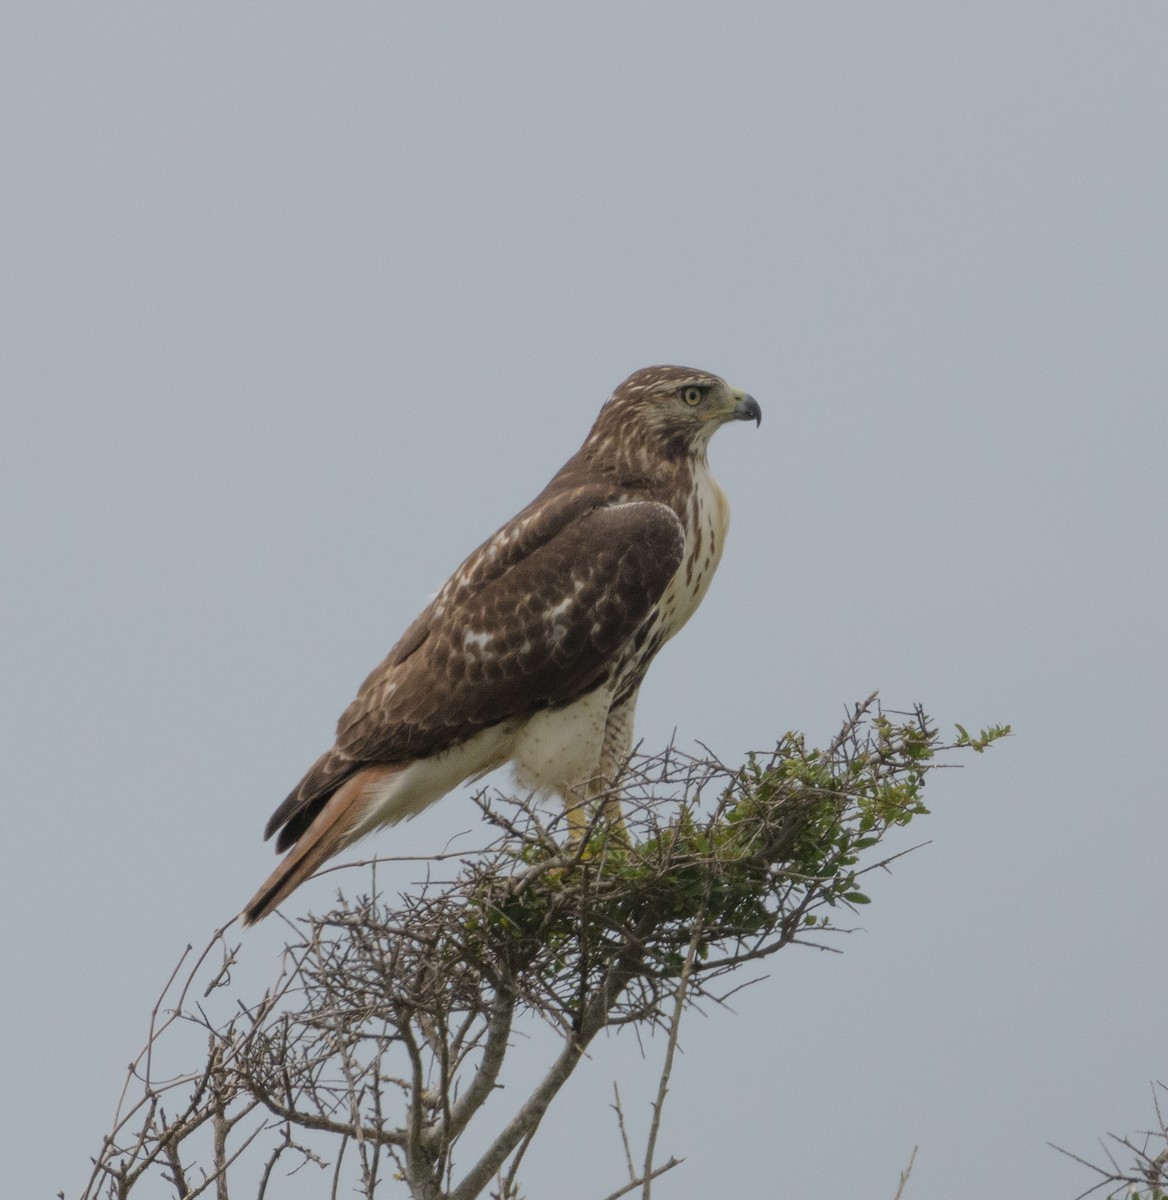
x=670 y=1049
x=1147 y=1176
x=624 y=1135
x=912 y=1158
x=633 y=1184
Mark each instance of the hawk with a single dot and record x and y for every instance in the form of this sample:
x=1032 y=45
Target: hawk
x=534 y=650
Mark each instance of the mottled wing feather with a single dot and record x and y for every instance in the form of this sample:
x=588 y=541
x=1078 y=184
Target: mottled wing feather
x=535 y=618
x=539 y=634
x=529 y=529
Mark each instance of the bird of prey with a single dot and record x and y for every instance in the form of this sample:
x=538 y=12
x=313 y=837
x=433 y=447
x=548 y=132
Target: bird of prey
x=534 y=650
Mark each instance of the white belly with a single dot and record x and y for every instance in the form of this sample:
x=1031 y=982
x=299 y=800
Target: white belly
x=558 y=750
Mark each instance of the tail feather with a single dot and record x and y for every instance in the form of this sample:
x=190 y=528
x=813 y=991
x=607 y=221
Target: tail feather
x=333 y=828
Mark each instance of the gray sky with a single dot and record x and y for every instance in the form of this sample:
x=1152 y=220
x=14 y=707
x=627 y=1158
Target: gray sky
x=301 y=302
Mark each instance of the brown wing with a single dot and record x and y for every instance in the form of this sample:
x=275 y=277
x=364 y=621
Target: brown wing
x=533 y=619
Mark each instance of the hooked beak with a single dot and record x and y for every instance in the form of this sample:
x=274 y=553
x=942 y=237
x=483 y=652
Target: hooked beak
x=747 y=409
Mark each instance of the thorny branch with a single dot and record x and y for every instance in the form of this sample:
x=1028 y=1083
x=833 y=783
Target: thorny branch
x=1146 y=1176
x=720 y=867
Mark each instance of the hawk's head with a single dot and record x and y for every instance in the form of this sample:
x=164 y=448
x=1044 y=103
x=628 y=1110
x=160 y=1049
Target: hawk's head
x=669 y=411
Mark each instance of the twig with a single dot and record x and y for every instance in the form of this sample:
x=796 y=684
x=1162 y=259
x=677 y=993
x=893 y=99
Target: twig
x=670 y=1049
x=624 y=1136
x=632 y=1185
x=912 y=1158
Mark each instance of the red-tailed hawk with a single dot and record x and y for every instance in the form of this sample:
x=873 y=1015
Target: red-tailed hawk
x=535 y=648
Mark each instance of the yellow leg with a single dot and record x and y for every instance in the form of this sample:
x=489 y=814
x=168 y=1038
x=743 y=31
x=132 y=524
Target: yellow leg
x=577 y=820
x=579 y=812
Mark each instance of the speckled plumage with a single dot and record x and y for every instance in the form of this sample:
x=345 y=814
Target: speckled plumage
x=534 y=649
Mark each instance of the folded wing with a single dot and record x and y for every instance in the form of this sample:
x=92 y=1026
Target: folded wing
x=541 y=614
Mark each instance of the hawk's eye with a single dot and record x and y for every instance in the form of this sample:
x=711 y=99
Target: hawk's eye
x=692 y=395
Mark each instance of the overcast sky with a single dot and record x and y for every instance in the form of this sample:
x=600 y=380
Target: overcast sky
x=301 y=301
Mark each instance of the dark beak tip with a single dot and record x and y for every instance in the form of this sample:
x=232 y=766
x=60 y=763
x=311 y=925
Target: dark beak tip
x=748 y=410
